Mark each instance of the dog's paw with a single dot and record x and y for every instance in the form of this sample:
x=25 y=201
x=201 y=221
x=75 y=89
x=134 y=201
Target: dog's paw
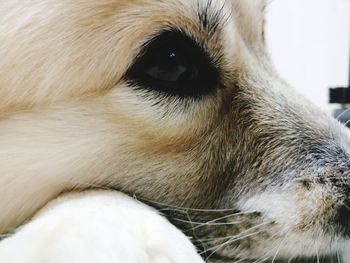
x=106 y=227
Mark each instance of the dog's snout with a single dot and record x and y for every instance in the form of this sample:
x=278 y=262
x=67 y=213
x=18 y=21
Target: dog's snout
x=329 y=190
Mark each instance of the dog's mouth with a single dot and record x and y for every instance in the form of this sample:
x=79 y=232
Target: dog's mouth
x=251 y=237
x=227 y=235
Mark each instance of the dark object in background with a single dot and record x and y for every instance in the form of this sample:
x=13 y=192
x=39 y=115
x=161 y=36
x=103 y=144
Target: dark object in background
x=341 y=96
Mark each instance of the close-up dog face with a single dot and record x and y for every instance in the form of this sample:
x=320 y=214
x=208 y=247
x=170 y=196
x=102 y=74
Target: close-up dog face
x=177 y=103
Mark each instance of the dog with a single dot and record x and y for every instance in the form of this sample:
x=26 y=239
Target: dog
x=159 y=131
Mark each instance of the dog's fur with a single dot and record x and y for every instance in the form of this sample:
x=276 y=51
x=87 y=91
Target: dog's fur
x=253 y=160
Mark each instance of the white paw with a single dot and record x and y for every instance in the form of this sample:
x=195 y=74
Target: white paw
x=99 y=226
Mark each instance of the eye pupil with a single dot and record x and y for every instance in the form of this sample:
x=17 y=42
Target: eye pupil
x=167 y=66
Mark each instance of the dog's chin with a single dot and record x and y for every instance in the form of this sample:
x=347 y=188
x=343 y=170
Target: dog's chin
x=306 y=245
x=252 y=236
x=310 y=225
x=292 y=223
x=258 y=231
x=279 y=243
x=263 y=235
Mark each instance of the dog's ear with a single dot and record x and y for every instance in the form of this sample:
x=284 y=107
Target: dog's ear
x=251 y=17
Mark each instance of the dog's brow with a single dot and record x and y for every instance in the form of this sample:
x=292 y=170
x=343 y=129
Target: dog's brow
x=211 y=17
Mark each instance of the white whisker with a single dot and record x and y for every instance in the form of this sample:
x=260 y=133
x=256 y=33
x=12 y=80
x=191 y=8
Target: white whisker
x=193 y=233
x=184 y=209
x=209 y=223
x=338 y=257
x=218 y=247
x=212 y=222
x=234 y=236
x=317 y=254
x=342 y=113
x=347 y=122
x=291 y=259
x=166 y=206
x=264 y=257
x=280 y=246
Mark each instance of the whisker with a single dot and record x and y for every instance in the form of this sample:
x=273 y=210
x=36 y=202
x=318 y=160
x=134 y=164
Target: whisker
x=264 y=257
x=218 y=247
x=279 y=247
x=193 y=233
x=346 y=123
x=234 y=236
x=200 y=224
x=165 y=206
x=233 y=239
x=338 y=256
x=213 y=222
x=342 y=113
x=184 y=209
x=317 y=254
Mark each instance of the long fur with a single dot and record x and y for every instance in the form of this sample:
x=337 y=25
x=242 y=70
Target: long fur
x=254 y=162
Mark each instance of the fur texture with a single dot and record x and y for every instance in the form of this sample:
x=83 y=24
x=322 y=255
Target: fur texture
x=251 y=171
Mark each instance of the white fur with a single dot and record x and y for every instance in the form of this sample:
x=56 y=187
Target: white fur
x=280 y=207
x=98 y=226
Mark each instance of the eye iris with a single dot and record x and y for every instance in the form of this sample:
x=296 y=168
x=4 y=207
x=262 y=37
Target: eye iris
x=168 y=66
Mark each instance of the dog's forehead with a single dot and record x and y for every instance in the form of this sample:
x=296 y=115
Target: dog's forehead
x=140 y=20
x=108 y=34
x=200 y=19
x=211 y=12
x=207 y=13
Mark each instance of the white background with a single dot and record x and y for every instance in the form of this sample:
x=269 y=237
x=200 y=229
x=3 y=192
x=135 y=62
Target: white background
x=309 y=43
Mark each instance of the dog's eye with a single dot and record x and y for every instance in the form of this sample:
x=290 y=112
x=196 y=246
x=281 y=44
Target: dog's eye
x=174 y=64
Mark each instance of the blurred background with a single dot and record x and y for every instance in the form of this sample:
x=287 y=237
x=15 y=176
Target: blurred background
x=309 y=44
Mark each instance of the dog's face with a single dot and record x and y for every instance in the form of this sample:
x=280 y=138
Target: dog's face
x=175 y=102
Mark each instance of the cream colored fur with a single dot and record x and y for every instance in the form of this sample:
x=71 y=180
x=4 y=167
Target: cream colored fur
x=70 y=122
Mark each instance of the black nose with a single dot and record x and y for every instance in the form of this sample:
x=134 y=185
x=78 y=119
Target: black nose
x=342 y=220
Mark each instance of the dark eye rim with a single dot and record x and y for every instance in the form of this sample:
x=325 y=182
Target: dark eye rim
x=208 y=74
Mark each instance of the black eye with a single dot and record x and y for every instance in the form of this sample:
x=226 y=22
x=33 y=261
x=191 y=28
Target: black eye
x=174 y=64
